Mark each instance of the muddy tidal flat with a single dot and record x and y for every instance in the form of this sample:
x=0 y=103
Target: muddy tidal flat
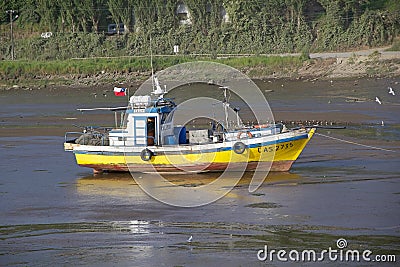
x=344 y=186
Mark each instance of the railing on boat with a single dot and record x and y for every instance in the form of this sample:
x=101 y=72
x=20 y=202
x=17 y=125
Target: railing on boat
x=136 y=141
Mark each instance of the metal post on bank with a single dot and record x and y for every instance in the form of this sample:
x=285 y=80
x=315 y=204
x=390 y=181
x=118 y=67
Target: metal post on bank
x=11 y=12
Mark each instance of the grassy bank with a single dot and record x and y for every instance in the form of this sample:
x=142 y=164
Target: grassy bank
x=395 y=45
x=20 y=71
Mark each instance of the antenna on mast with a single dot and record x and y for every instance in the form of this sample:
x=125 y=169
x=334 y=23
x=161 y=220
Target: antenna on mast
x=157 y=90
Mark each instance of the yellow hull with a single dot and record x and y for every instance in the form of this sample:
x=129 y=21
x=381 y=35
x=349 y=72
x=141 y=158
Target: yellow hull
x=279 y=156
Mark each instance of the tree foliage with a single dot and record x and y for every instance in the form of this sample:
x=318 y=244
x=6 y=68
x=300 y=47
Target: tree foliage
x=252 y=26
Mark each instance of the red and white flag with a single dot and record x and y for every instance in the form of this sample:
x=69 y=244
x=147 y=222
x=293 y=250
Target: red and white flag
x=118 y=91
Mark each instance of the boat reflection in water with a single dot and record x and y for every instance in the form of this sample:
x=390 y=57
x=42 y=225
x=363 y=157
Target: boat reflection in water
x=115 y=184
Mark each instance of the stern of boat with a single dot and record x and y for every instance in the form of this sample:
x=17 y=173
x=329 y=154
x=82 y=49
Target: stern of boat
x=70 y=146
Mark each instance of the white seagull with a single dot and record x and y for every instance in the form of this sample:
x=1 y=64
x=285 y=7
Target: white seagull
x=391 y=91
x=378 y=100
x=190 y=239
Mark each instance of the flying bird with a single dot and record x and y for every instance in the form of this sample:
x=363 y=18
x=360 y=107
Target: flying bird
x=391 y=91
x=378 y=100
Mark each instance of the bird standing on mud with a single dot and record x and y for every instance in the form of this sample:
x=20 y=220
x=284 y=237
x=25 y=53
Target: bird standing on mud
x=391 y=91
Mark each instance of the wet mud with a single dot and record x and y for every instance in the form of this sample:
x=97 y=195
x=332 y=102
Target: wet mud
x=56 y=213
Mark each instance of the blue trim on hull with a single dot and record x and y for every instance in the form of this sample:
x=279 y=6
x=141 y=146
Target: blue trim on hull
x=304 y=136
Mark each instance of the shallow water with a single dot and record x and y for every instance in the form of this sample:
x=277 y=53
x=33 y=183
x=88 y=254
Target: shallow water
x=56 y=213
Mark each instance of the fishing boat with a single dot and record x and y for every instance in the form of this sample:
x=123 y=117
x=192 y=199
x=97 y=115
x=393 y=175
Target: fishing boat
x=149 y=141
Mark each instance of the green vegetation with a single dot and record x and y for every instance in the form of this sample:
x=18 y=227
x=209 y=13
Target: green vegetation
x=211 y=27
x=26 y=69
x=264 y=205
x=395 y=46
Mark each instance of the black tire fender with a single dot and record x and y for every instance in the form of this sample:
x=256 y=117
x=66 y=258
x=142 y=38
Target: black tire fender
x=146 y=154
x=239 y=147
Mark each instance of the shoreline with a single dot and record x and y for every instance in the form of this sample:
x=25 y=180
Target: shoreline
x=373 y=63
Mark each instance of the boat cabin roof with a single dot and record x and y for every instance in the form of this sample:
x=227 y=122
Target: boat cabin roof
x=144 y=104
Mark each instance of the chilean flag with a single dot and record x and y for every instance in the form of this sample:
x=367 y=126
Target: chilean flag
x=119 y=91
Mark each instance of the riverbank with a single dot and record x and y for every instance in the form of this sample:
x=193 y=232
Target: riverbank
x=131 y=70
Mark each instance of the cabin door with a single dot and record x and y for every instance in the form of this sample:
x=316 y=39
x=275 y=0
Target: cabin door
x=139 y=131
x=151 y=131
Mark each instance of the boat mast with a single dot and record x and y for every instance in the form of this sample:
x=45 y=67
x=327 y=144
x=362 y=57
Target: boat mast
x=155 y=84
x=151 y=64
x=226 y=105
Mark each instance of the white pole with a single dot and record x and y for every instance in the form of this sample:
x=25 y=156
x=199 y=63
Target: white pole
x=151 y=65
x=11 y=12
x=128 y=93
x=226 y=108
